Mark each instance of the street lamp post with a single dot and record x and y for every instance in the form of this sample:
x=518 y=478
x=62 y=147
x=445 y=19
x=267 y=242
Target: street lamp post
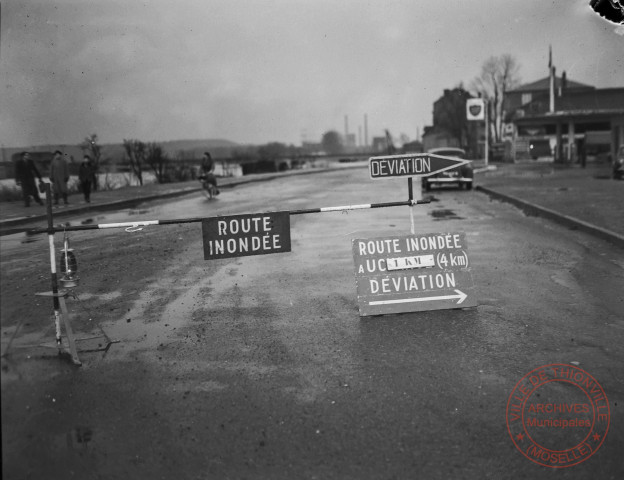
x=487 y=132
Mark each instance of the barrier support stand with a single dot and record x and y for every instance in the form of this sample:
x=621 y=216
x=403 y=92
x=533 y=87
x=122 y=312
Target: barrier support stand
x=418 y=201
x=58 y=298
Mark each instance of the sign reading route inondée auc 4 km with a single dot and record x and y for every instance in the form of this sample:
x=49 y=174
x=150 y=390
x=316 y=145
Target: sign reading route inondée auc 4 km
x=423 y=164
x=412 y=273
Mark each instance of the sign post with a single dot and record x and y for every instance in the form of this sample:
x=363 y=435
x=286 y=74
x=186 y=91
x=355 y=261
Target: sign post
x=476 y=109
x=412 y=273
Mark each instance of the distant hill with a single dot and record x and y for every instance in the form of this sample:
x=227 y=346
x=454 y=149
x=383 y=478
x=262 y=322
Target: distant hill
x=194 y=144
x=218 y=148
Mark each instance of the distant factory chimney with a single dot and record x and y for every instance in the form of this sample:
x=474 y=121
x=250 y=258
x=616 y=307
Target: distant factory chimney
x=365 y=130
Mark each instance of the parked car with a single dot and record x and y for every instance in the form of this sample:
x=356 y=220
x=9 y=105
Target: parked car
x=618 y=164
x=460 y=176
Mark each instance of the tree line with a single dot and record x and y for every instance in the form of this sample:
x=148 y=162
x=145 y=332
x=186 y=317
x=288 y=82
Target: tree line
x=141 y=157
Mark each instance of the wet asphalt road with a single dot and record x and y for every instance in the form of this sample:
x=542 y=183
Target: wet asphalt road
x=261 y=367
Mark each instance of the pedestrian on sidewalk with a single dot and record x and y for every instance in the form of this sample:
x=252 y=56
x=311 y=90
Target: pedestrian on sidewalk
x=582 y=154
x=86 y=176
x=25 y=173
x=59 y=176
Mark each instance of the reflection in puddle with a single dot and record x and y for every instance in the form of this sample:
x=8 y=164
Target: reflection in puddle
x=139 y=212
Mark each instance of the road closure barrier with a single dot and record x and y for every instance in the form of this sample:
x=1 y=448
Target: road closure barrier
x=393 y=275
x=138 y=225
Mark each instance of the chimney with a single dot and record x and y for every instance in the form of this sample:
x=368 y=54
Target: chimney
x=564 y=83
x=552 y=89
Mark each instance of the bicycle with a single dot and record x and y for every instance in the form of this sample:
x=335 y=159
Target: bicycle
x=209 y=185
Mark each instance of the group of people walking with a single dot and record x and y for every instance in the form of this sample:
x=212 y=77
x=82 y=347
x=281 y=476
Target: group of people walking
x=26 y=174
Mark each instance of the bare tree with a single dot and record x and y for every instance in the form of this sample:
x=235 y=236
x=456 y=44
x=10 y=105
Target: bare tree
x=498 y=75
x=135 y=153
x=91 y=147
x=157 y=159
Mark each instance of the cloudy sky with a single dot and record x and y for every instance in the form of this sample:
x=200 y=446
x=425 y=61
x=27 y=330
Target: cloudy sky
x=255 y=71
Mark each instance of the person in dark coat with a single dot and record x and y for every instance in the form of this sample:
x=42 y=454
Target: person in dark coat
x=86 y=176
x=25 y=173
x=59 y=176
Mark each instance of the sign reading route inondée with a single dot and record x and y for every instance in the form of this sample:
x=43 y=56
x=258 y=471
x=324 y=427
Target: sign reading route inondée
x=244 y=235
x=412 y=273
x=423 y=164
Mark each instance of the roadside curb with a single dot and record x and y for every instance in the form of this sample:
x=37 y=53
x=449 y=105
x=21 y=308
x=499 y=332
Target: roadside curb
x=566 y=220
x=9 y=227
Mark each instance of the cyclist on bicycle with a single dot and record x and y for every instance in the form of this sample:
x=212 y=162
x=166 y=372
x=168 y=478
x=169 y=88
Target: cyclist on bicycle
x=207 y=167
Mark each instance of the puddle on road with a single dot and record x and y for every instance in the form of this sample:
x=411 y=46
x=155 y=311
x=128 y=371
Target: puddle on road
x=103 y=297
x=444 y=214
x=139 y=212
x=564 y=279
x=152 y=324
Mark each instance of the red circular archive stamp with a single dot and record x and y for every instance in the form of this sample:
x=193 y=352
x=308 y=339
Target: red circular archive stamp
x=558 y=415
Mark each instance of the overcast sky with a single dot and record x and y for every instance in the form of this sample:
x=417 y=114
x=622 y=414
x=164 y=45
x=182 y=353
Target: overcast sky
x=271 y=70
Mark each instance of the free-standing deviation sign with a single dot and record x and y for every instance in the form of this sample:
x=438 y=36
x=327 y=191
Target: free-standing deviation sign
x=244 y=235
x=412 y=273
x=423 y=164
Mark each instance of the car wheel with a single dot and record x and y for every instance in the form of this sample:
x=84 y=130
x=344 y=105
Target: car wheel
x=469 y=186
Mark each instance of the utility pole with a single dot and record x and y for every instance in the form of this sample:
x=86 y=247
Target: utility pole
x=487 y=132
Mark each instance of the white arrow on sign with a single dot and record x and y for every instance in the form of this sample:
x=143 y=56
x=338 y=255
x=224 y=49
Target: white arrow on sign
x=461 y=296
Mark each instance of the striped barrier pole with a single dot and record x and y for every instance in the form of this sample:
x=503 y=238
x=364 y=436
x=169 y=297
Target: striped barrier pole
x=136 y=226
x=53 y=276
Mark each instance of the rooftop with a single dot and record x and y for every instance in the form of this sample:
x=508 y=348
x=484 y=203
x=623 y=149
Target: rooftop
x=544 y=85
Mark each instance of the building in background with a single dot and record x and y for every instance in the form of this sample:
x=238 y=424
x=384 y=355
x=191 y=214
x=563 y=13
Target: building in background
x=563 y=120
x=450 y=126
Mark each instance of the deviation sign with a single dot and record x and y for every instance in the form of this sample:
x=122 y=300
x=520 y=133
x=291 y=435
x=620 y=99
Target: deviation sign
x=245 y=235
x=423 y=164
x=412 y=273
